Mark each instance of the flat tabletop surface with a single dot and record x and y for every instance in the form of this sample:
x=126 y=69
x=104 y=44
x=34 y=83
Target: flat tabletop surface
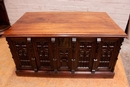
x=65 y=24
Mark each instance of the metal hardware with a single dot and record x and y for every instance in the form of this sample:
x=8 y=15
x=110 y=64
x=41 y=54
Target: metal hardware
x=53 y=39
x=33 y=58
x=29 y=39
x=72 y=71
x=95 y=60
x=54 y=59
x=35 y=70
x=98 y=39
x=72 y=59
x=74 y=39
x=94 y=65
x=93 y=71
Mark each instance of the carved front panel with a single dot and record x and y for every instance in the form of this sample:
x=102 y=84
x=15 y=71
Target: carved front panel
x=85 y=53
x=106 y=54
x=20 y=52
x=64 y=59
x=109 y=49
x=64 y=53
x=43 y=53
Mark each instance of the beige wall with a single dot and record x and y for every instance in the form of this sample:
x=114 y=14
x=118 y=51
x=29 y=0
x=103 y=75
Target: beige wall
x=118 y=10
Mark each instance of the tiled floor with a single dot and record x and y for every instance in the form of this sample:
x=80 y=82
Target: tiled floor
x=125 y=55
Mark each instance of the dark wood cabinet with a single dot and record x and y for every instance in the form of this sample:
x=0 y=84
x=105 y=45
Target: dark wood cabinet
x=71 y=55
x=65 y=44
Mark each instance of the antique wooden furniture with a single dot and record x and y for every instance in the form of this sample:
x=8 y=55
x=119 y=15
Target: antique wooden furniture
x=75 y=44
x=4 y=21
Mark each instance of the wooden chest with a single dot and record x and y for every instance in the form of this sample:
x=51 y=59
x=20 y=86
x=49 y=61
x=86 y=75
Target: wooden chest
x=68 y=44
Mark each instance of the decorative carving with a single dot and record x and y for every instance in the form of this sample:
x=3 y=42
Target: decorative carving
x=64 y=56
x=21 y=49
x=73 y=55
x=84 y=54
x=43 y=53
x=106 y=54
x=86 y=49
x=64 y=53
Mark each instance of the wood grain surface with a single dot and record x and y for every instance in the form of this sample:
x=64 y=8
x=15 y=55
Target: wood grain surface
x=65 y=24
